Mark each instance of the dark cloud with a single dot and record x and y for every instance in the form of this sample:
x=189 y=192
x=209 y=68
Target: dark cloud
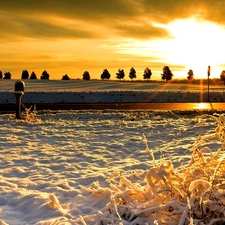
x=214 y=11
x=141 y=31
x=166 y=11
x=18 y=17
x=72 y=8
x=46 y=30
x=35 y=28
x=111 y=9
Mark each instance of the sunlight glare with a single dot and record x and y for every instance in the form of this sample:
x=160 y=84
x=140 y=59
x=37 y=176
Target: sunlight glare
x=203 y=105
x=197 y=44
x=193 y=43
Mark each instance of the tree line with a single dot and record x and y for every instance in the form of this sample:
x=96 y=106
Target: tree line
x=147 y=74
x=25 y=75
x=167 y=75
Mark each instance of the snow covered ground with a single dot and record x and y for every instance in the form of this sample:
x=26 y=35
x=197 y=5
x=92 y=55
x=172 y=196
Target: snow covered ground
x=111 y=167
x=79 y=91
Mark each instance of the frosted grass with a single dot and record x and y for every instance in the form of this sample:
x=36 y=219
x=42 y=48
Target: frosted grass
x=58 y=167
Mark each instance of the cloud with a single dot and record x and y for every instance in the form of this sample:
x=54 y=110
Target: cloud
x=37 y=18
x=71 y=8
x=214 y=11
x=140 y=30
x=99 y=19
x=44 y=26
x=166 y=11
x=47 y=30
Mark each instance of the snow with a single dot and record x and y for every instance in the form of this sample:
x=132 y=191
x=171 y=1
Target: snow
x=79 y=91
x=112 y=167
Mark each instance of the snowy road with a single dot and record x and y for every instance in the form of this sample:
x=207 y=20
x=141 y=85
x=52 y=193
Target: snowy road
x=122 y=106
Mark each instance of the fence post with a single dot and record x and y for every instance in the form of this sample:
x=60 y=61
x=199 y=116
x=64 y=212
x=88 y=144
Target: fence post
x=19 y=92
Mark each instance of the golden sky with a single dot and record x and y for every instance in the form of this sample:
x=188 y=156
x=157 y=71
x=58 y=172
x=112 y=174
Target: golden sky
x=71 y=36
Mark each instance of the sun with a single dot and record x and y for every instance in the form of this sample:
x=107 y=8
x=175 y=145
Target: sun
x=191 y=43
x=197 y=44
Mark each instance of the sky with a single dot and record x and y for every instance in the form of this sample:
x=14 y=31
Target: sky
x=71 y=36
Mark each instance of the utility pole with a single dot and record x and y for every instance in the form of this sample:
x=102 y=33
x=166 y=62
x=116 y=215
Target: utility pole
x=208 y=81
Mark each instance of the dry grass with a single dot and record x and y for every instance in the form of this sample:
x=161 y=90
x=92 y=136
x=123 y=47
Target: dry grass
x=192 y=194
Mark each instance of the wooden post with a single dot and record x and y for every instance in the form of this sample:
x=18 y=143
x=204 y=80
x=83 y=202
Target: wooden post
x=18 y=106
x=208 y=81
x=19 y=92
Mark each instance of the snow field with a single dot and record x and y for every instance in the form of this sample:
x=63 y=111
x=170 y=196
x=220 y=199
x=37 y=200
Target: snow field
x=112 y=167
x=79 y=91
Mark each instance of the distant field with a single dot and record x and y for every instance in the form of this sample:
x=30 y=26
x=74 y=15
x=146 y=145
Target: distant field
x=94 y=85
x=80 y=91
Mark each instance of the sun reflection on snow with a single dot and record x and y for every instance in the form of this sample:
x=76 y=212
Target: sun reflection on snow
x=203 y=105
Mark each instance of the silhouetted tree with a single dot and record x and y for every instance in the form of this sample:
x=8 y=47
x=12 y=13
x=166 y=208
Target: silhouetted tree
x=86 y=75
x=147 y=74
x=45 y=75
x=33 y=76
x=1 y=76
x=132 y=73
x=120 y=75
x=167 y=74
x=7 y=75
x=190 y=76
x=65 y=77
x=25 y=74
x=105 y=74
x=222 y=76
